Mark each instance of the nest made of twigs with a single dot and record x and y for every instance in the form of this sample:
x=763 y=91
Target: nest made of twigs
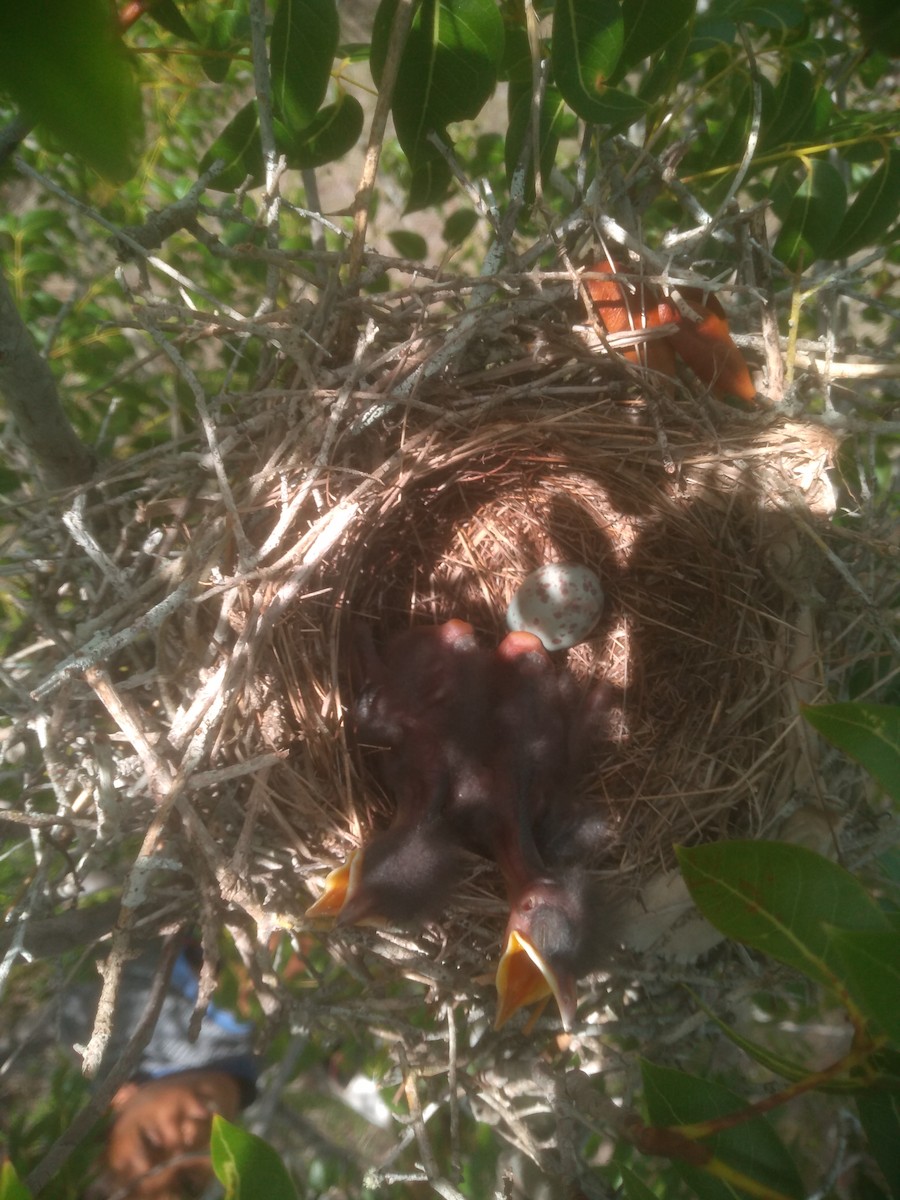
x=209 y=665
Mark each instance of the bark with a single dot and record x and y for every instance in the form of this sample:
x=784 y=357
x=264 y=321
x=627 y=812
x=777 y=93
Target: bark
x=27 y=384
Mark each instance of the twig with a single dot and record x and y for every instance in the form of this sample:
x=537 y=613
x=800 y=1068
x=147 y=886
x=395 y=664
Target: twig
x=103 y=646
x=400 y=26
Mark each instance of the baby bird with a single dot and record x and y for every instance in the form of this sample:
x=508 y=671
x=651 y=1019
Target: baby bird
x=553 y=934
x=426 y=703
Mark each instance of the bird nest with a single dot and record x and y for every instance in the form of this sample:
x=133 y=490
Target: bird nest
x=203 y=597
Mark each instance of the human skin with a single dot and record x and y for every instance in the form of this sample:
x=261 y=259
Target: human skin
x=158 y=1144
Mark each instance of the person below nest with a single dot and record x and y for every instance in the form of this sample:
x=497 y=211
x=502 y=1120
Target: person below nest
x=157 y=1143
x=481 y=751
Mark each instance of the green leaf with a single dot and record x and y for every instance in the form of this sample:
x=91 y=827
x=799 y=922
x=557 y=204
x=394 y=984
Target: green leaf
x=588 y=37
x=873 y=211
x=165 y=13
x=871 y=973
x=408 y=244
x=332 y=132
x=880 y=1117
x=11 y=1187
x=666 y=70
x=246 y=1166
x=780 y=15
x=813 y=217
x=870 y=733
x=651 y=24
x=305 y=36
x=792 y=114
x=225 y=34
x=239 y=148
x=779 y=899
x=448 y=69
x=459 y=225
x=65 y=66
x=753 y=1148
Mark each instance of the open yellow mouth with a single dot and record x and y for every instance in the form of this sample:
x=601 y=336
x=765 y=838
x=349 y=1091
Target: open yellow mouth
x=523 y=978
x=340 y=884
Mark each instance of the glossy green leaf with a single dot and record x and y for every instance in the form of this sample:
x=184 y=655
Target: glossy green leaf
x=651 y=24
x=165 y=13
x=753 y=1148
x=226 y=33
x=246 y=1166
x=814 y=215
x=65 y=66
x=304 y=41
x=552 y=119
x=870 y=733
x=332 y=132
x=11 y=1187
x=448 y=69
x=880 y=1117
x=779 y=899
x=238 y=146
x=792 y=114
x=873 y=211
x=871 y=973
x=588 y=37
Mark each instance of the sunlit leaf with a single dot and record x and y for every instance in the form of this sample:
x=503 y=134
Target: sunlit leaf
x=870 y=733
x=65 y=66
x=814 y=215
x=449 y=68
x=304 y=42
x=328 y=137
x=873 y=211
x=588 y=36
x=246 y=1166
x=779 y=899
x=752 y=1148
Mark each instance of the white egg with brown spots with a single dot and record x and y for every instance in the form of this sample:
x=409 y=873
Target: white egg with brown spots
x=559 y=602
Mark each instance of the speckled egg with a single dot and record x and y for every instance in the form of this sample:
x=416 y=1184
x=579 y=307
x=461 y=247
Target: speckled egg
x=559 y=603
